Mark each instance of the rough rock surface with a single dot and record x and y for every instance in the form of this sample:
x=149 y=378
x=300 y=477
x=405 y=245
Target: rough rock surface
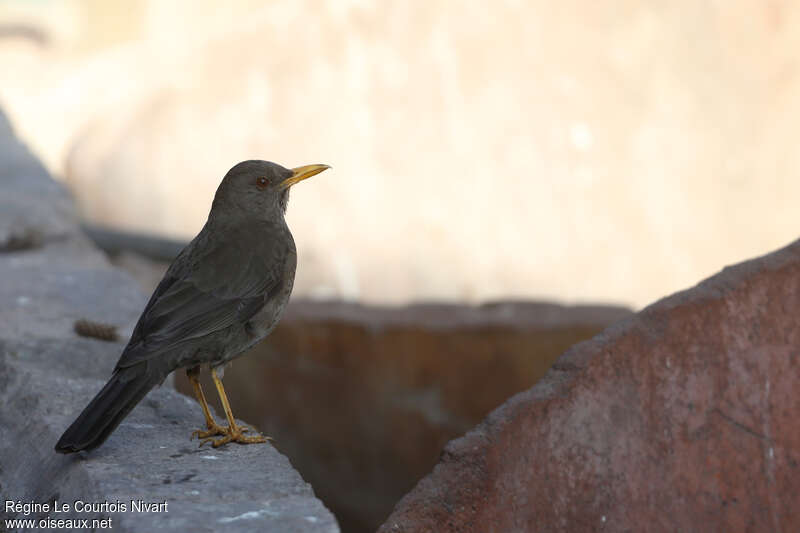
x=47 y=374
x=685 y=417
x=363 y=399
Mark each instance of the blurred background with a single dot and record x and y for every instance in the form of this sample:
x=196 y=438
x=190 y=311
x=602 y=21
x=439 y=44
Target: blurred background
x=604 y=153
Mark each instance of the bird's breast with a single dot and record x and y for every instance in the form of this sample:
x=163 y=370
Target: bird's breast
x=265 y=319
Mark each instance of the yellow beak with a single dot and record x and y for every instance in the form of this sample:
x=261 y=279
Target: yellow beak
x=301 y=173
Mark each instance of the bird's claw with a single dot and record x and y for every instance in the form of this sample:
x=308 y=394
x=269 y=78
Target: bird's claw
x=237 y=434
x=212 y=430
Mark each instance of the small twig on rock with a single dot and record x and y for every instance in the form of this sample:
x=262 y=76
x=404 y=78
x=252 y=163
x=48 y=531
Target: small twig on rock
x=96 y=330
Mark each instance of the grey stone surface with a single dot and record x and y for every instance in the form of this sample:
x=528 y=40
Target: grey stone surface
x=47 y=374
x=33 y=208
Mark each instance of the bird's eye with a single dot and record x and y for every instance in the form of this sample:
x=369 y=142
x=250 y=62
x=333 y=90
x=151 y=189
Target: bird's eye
x=262 y=182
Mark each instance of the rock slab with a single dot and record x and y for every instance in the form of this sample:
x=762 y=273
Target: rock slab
x=684 y=417
x=50 y=275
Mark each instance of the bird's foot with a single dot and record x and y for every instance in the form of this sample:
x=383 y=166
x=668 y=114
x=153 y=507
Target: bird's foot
x=234 y=434
x=213 y=430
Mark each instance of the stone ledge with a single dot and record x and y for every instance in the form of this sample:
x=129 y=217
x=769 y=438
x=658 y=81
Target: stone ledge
x=47 y=374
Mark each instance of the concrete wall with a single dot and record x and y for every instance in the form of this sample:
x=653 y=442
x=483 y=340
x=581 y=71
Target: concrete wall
x=611 y=151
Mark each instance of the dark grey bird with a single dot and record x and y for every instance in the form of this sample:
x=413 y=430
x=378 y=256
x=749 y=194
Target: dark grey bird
x=222 y=294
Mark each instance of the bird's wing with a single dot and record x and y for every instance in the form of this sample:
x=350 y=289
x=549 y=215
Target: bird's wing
x=207 y=289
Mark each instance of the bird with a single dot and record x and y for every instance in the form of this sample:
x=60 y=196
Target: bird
x=222 y=294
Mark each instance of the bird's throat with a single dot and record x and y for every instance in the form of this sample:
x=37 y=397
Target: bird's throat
x=284 y=200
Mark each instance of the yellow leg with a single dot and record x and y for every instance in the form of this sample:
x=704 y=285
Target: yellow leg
x=232 y=433
x=211 y=424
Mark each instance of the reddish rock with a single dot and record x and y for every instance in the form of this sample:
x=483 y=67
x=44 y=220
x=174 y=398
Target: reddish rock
x=363 y=399
x=685 y=417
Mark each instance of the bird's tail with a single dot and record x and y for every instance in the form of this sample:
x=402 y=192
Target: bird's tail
x=112 y=404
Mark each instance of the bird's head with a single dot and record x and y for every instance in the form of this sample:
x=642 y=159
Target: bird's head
x=259 y=188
